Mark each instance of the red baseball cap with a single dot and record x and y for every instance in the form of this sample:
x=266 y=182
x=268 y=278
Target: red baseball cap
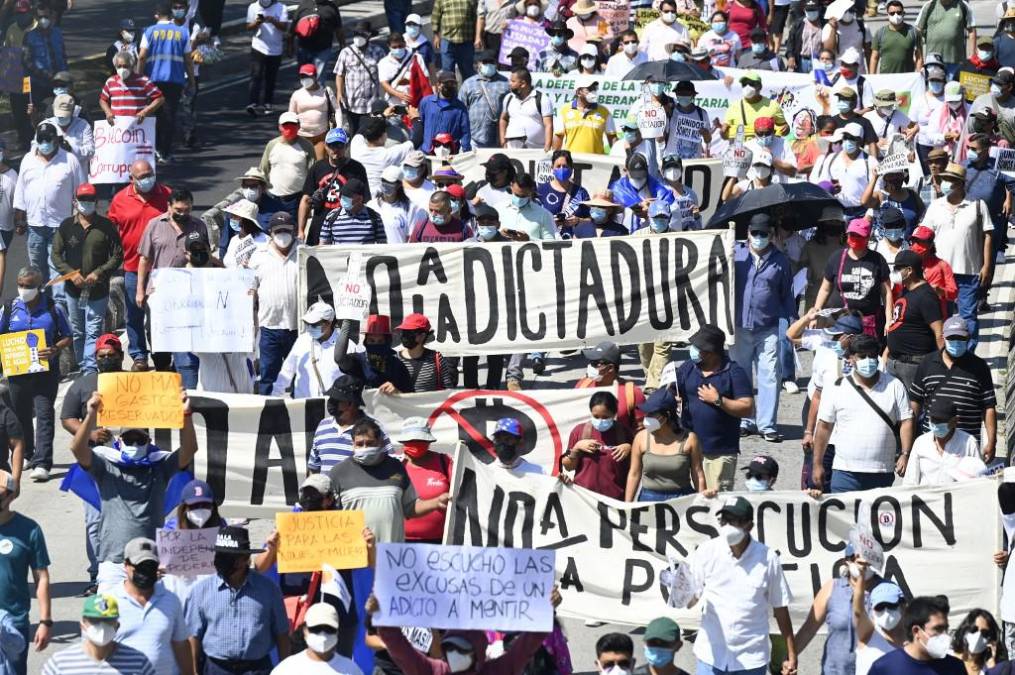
x=415 y=322
x=764 y=124
x=923 y=233
x=859 y=226
x=86 y=190
x=456 y=191
x=23 y=6
x=444 y=138
x=378 y=324
x=109 y=341
x=308 y=69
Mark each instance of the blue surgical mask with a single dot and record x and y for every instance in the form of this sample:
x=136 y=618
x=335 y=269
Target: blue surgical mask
x=179 y=13
x=850 y=146
x=519 y=202
x=685 y=101
x=678 y=57
x=972 y=155
x=759 y=242
x=765 y=141
x=438 y=218
x=346 y=203
x=827 y=66
x=936 y=86
x=145 y=185
x=315 y=332
x=756 y=484
x=598 y=214
x=719 y=27
x=487 y=232
x=995 y=90
x=985 y=54
x=601 y=425
x=895 y=234
x=61 y=91
x=557 y=40
x=867 y=367
x=757 y=48
x=956 y=348
x=839 y=350
x=844 y=105
x=86 y=208
x=694 y=353
x=47 y=147
x=133 y=453
x=812 y=16
x=388 y=189
x=946 y=187
x=234 y=224
x=412 y=31
x=410 y=172
x=660 y=224
x=488 y=69
x=658 y=657
x=456 y=206
x=631 y=136
x=658 y=88
x=940 y=429
x=563 y=173
x=399 y=53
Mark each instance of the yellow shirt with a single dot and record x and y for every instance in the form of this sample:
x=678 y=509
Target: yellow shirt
x=583 y=129
x=763 y=107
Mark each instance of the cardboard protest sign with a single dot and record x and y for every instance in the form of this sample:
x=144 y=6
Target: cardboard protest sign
x=505 y=297
x=117 y=146
x=202 y=310
x=188 y=553
x=352 y=293
x=310 y=539
x=736 y=161
x=522 y=33
x=141 y=400
x=610 y=554
x=617 y=13
x=464 y=587
x=19 y=352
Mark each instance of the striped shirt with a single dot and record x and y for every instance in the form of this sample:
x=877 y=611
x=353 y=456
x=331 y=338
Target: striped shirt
x=342 y=227
x=277 y=275
x=382 y=491
x=332 y=444
x=424 y=372
x=968 y=384
x=74 y=661
x=127 y=99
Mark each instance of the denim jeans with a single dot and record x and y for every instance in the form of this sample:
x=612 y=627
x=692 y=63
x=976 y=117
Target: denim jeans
x=759 y=348
x=40 y=254
x=138 y=347
x=849 y=481
x=19 y=662
x=319 y=59
x=787 y=356
x=705 y=669
x=186 y=364
x=396 y=11
x=34 y=397
x=969 y=298
x=459 y=54
x=86 y=319
x=274 y=346
x=92 y=519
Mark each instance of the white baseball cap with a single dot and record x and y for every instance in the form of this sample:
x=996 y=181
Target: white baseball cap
x=321 y=614
x=319 y=311
x=414 y=18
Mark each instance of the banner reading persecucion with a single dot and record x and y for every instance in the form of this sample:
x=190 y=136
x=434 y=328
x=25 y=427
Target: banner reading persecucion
x=502 y=298
x=609 y=554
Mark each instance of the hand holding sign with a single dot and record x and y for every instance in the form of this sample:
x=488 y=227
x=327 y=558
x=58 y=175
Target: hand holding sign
x=140 y=400
x=308 y=540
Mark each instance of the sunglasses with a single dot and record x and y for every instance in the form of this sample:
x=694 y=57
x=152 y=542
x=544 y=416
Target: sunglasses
x=630 y=42
x=764 y=134
x=895 y=13
x=886 y=606
x=758 y=476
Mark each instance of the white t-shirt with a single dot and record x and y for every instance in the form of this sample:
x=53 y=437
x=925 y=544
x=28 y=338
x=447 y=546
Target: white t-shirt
x=853 y=177
x=399 y=221
x=8 y=179
x=525 y=121
x=391 y=70
x=959 y=232
x=658 y=35
x=267 y=38
x=420 y=196
x=620 y=64
x=849 y=36
x=301 y=664
x=723 y=50
x=375 y=159
x=241 y=248
x=875 y=648
x=928 y=466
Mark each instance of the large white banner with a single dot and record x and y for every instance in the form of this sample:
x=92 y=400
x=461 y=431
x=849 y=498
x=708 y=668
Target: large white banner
x=610 y=554
x=501 y=298
x=117 y=146
x=254 y=448
x=202 y=310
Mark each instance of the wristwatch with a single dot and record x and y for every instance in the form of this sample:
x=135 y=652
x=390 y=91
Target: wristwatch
x=718 y=402
x=48 y=623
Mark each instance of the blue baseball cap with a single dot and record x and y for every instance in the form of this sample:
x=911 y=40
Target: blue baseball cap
x=661 y=400
x=850 y=324
x=336 y=136
x=658 y=208
x=197 y=492
x=509 y=425
x=886 y=593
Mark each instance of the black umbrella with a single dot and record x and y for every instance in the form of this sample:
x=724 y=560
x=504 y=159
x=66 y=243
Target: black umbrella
x=667 y=71
x=796 y=206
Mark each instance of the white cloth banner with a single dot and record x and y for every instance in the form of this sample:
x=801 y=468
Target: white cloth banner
x=500 y=298
x=610 y=554
x=254 y=448
x=118 y=146
x=202 y=310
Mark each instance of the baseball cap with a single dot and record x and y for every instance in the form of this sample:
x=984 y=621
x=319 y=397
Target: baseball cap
x=139 y=550
x=886 y=593
x=850 y=56
x=659 y=208
x=762 y=157
x=737 y=507
x=922 y=233
x=955 y=326
x=848 y=324
x=101 y=606
x=319 y=311
x=604 y=351
x=456 y=191
x=354 y=187
x=23 y=6
x=308 y=69
x=1003 y=77
x=320 y=482
x=288 y=118
x=346 y=388
x=662 y=628
x=709 y=338
x=485 y=211
x=846 y=92
x=509 y=425
x=942 y=409
x=752 y=77
x=415 y=321
x=281 y=219
x=891 y=216
x=764 y=124
x=661 y=400
x=764 y=465
x=759 y=220
x=109 y=341
x=853 y=129
x=336 y=136
x=414 y=19
x=859 y=226
x=586 y=81
x=589 y=50
x=392 y=174
x=321 y=614
x=908 y=258
x=378 y=324
x=86 y=190
x=197 y=492
x=195 y=241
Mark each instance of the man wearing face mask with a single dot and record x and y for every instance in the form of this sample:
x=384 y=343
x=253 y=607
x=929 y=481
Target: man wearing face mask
x=316 y=45
x=925 y=626
x=325 y=179
x=738 y=580
x=127 y=93
x=124 y=43
x=308 y=371
x=236 y=617
x=87 y=247
x=950 y=375
x=527 y=117
x=508 y=444
x=849 y=170
x=689 y=131
x=382 y=369
x=353 y=222
x=286 y=162
x=398 y=213
x=444 y=112
x=850 y=67
x=582 y=126
x=937 y=453
x=866 y=415
x=1001 y=101
x=752 y=106
x=333 y=441
x=320 y=633
x=356 y=80
x=766 y=141
x=759 y=56
x=887 y=120
x=268 y=20
x=604 y=371
x=500 y=173
x=627 y=57
x=896 y=47
x=524 y=219
x=558 y=57
x=276 y=270
x=842 y=31
x=1004 y=38
x=44 y=53
x=370 y=147
x=166 y=58
x=975 y=73
x=21 y=19
x=663 y=31
x=74 y=131
x=131 y=475
x=915 y=330
x=686 y=208
x=662 y=642
x=483 y=94
x=99 y=623
x=638 y=189
x=994 y=189
x=151 y=618
x=442 y=225
x=428 y=370
x=878 y=630
x=949 y=29
x=764 y=293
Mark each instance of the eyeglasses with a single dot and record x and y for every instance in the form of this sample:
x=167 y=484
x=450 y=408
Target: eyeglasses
x=758 y=233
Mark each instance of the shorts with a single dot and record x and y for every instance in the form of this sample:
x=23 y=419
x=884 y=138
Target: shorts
x=720 y=472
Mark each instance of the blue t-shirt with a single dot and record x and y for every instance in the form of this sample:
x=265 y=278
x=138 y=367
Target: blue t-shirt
x=167 y=44
x=22 y=548
x=556 y=202
x=898 y=662
x=40 y=316
x=718 y=432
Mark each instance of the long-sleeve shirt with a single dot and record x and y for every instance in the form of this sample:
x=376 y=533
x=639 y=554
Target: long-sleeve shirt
x=440 y=115
x=307 y=361
x=454 y=20
x=764 y=287
x=532 y=219
x=78 y=135
x=94 y=250
x=44 y=53
x=483 y=97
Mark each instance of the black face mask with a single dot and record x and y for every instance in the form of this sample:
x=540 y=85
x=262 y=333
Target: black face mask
x=180 y=218
x=145 y=575
x=199 y=258
x=377 y=349
x=108 y=364
x=311 y=500
x=408 y=340
x=449 y=92
x=332 y=407
x=506 y=451
x=226 y=563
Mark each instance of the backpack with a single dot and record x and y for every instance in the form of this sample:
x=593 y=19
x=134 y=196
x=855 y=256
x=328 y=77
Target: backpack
x=308 y=26
x=921 y=23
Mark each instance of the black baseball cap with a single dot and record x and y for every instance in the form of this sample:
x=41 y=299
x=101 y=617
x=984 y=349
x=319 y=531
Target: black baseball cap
x=484 y=211
x=195 y=241
x=709 y=338
x=908 y=258
x=763 y=465
x=354 y=187
x=281 y=219
x=737 y=507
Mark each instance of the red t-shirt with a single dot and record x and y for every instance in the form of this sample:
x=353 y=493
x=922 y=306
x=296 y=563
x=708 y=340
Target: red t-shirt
x=131 y=212
x=598 y=471
x=431 y=477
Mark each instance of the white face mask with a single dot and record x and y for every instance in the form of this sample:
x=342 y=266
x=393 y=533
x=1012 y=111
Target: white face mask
x=369 y=455
x=28 y=294
x=99 y=634
x=307 y=82
x=320 y=643
x=937 y=647
x=854 y=571
x=976 y=643
x=127 y=36
x=895 y=277
x=533 y=11
x=762 y=172
x=732 y=534
x=592 y=373
x=750 y=91
x=124 y=73
x=198 y=517
x=615 y=670
x=652 y=424
x=631 y=48
x=133 y=452
x=673 y=175
x=282 y=240
x=887 y=619
x=457 y=661
x=359 y=41
x=251 y=194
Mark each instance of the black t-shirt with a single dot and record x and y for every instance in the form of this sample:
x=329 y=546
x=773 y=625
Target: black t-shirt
x=323 y=175
x=331 y=20
x=75 y=401
x=869 y=135
x=914 y=311
x=10 y=428
x=859 y=285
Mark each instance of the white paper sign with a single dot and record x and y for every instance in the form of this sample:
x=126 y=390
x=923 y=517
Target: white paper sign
x=464 y=587
x=120 y=145
x=896 y=163
x=202 y=310
x=352 y=292
x=736 y=161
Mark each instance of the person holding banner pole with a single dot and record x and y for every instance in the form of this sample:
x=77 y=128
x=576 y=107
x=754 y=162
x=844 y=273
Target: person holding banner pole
x=307 y=371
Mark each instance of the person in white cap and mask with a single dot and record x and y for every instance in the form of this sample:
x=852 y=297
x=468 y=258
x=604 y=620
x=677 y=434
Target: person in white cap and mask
x=320 y=632
x=399 y=213
x=309 y=369
x=76 y=131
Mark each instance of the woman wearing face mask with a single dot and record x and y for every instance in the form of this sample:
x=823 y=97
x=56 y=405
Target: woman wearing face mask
x=125 y=42
x=977 y=641
x=309 y=368
x=665 y=458
x=890 y=194
x=598 y=449
x=242 y=219
x=686 y=209
x=197 y=510
x=400 y=215
x=843 y=32
x=429 y=370
x=925 y=107
x=320 y=634
x=689 y=131
x=744 y=17
x=893 y=233
x=723 y=44
x=824 y=68
x=315 y=106
x=430 y=473
x=590 y=62
x=947 y=126
x=268 y=20
x=562 y=196
x=759 y=176
x=879 y=630
x=604 y=218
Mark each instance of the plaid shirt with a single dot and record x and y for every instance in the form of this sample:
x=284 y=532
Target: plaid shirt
x=361 y=84
x=454 y=20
